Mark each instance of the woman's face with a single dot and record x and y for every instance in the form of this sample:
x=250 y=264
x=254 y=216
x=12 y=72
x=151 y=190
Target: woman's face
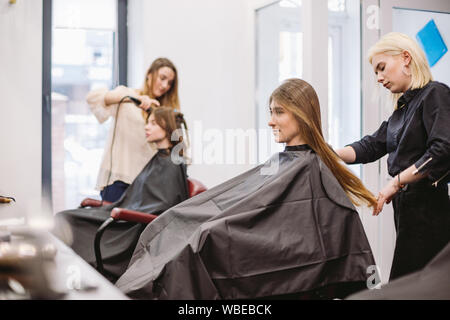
x=162 y=82
x=153 y=132
x=392 y=71
x=284 y=125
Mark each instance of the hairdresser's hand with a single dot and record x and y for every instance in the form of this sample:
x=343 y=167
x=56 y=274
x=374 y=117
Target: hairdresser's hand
x=386 y=195
x=147 y=102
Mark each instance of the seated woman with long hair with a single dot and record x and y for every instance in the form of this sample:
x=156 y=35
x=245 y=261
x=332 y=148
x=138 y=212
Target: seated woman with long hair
x=159 y=186
x=265 y=233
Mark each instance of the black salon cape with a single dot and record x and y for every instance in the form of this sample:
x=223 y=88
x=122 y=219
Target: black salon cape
x=255 y=235
x=159 y=186
x=430 y=283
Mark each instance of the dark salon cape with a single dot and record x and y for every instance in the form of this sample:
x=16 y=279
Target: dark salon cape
x=159 y=186
x=430 y=283
x=253 y=236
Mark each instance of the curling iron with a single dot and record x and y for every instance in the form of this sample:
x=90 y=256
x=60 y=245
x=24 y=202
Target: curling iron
x=136 y=101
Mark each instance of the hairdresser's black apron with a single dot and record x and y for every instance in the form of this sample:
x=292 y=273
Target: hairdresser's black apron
x=422 y=222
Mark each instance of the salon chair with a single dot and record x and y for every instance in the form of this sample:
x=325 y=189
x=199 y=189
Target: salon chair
x=123 y=214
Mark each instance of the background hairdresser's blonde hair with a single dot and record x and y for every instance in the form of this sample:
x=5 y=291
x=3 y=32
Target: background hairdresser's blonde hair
x=394 y=43
x=299 y=97
x=170 y=98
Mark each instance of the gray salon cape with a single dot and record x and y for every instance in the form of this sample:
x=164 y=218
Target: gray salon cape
x=430 y=283
x=159 y=186
x=283 y=227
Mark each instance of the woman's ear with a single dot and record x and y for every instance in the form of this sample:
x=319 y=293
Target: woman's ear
x=406 y=57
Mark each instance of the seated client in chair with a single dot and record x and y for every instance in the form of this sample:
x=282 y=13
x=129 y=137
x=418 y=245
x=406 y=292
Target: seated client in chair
x=287 y=228
x=160 y=185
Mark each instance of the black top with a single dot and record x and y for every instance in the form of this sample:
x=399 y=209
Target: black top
x=417 y=133
x=163 y=152
x=302 y=147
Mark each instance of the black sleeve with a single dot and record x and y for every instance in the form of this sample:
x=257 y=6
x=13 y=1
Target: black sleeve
x=436 y=119
x=373 y=147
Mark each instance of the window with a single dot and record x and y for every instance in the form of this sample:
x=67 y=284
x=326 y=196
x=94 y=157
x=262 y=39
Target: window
x=84 y=56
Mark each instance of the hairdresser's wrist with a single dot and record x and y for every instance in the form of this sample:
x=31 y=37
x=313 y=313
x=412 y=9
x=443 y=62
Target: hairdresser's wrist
x=396 y=183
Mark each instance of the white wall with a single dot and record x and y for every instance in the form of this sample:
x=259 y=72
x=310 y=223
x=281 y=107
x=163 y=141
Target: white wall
x=211 y=44
x=20 y=106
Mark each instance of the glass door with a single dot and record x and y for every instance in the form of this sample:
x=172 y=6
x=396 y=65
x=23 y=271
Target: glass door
x=279 y=41
x=279 y=56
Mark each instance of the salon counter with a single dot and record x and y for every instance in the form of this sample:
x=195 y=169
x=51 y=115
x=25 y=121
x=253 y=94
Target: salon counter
x=40 y=260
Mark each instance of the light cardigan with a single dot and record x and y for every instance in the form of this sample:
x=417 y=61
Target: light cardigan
x=131 y=151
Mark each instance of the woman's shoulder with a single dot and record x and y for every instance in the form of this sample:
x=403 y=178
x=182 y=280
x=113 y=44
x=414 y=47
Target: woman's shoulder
x=435 y=93
x=437 y=86
x=169 y=164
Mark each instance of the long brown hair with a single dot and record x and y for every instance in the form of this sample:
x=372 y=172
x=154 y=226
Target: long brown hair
x=170 y=121
x=299 y=97
x=170 y=98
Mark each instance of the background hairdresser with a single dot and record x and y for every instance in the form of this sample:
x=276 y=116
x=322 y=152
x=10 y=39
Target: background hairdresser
x=417 y=138
x=127 y=150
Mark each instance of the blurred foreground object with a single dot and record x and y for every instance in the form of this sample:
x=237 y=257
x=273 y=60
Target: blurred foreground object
x=24 y=260
x=430 y=283
x=34 y=264
x=4 y=199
